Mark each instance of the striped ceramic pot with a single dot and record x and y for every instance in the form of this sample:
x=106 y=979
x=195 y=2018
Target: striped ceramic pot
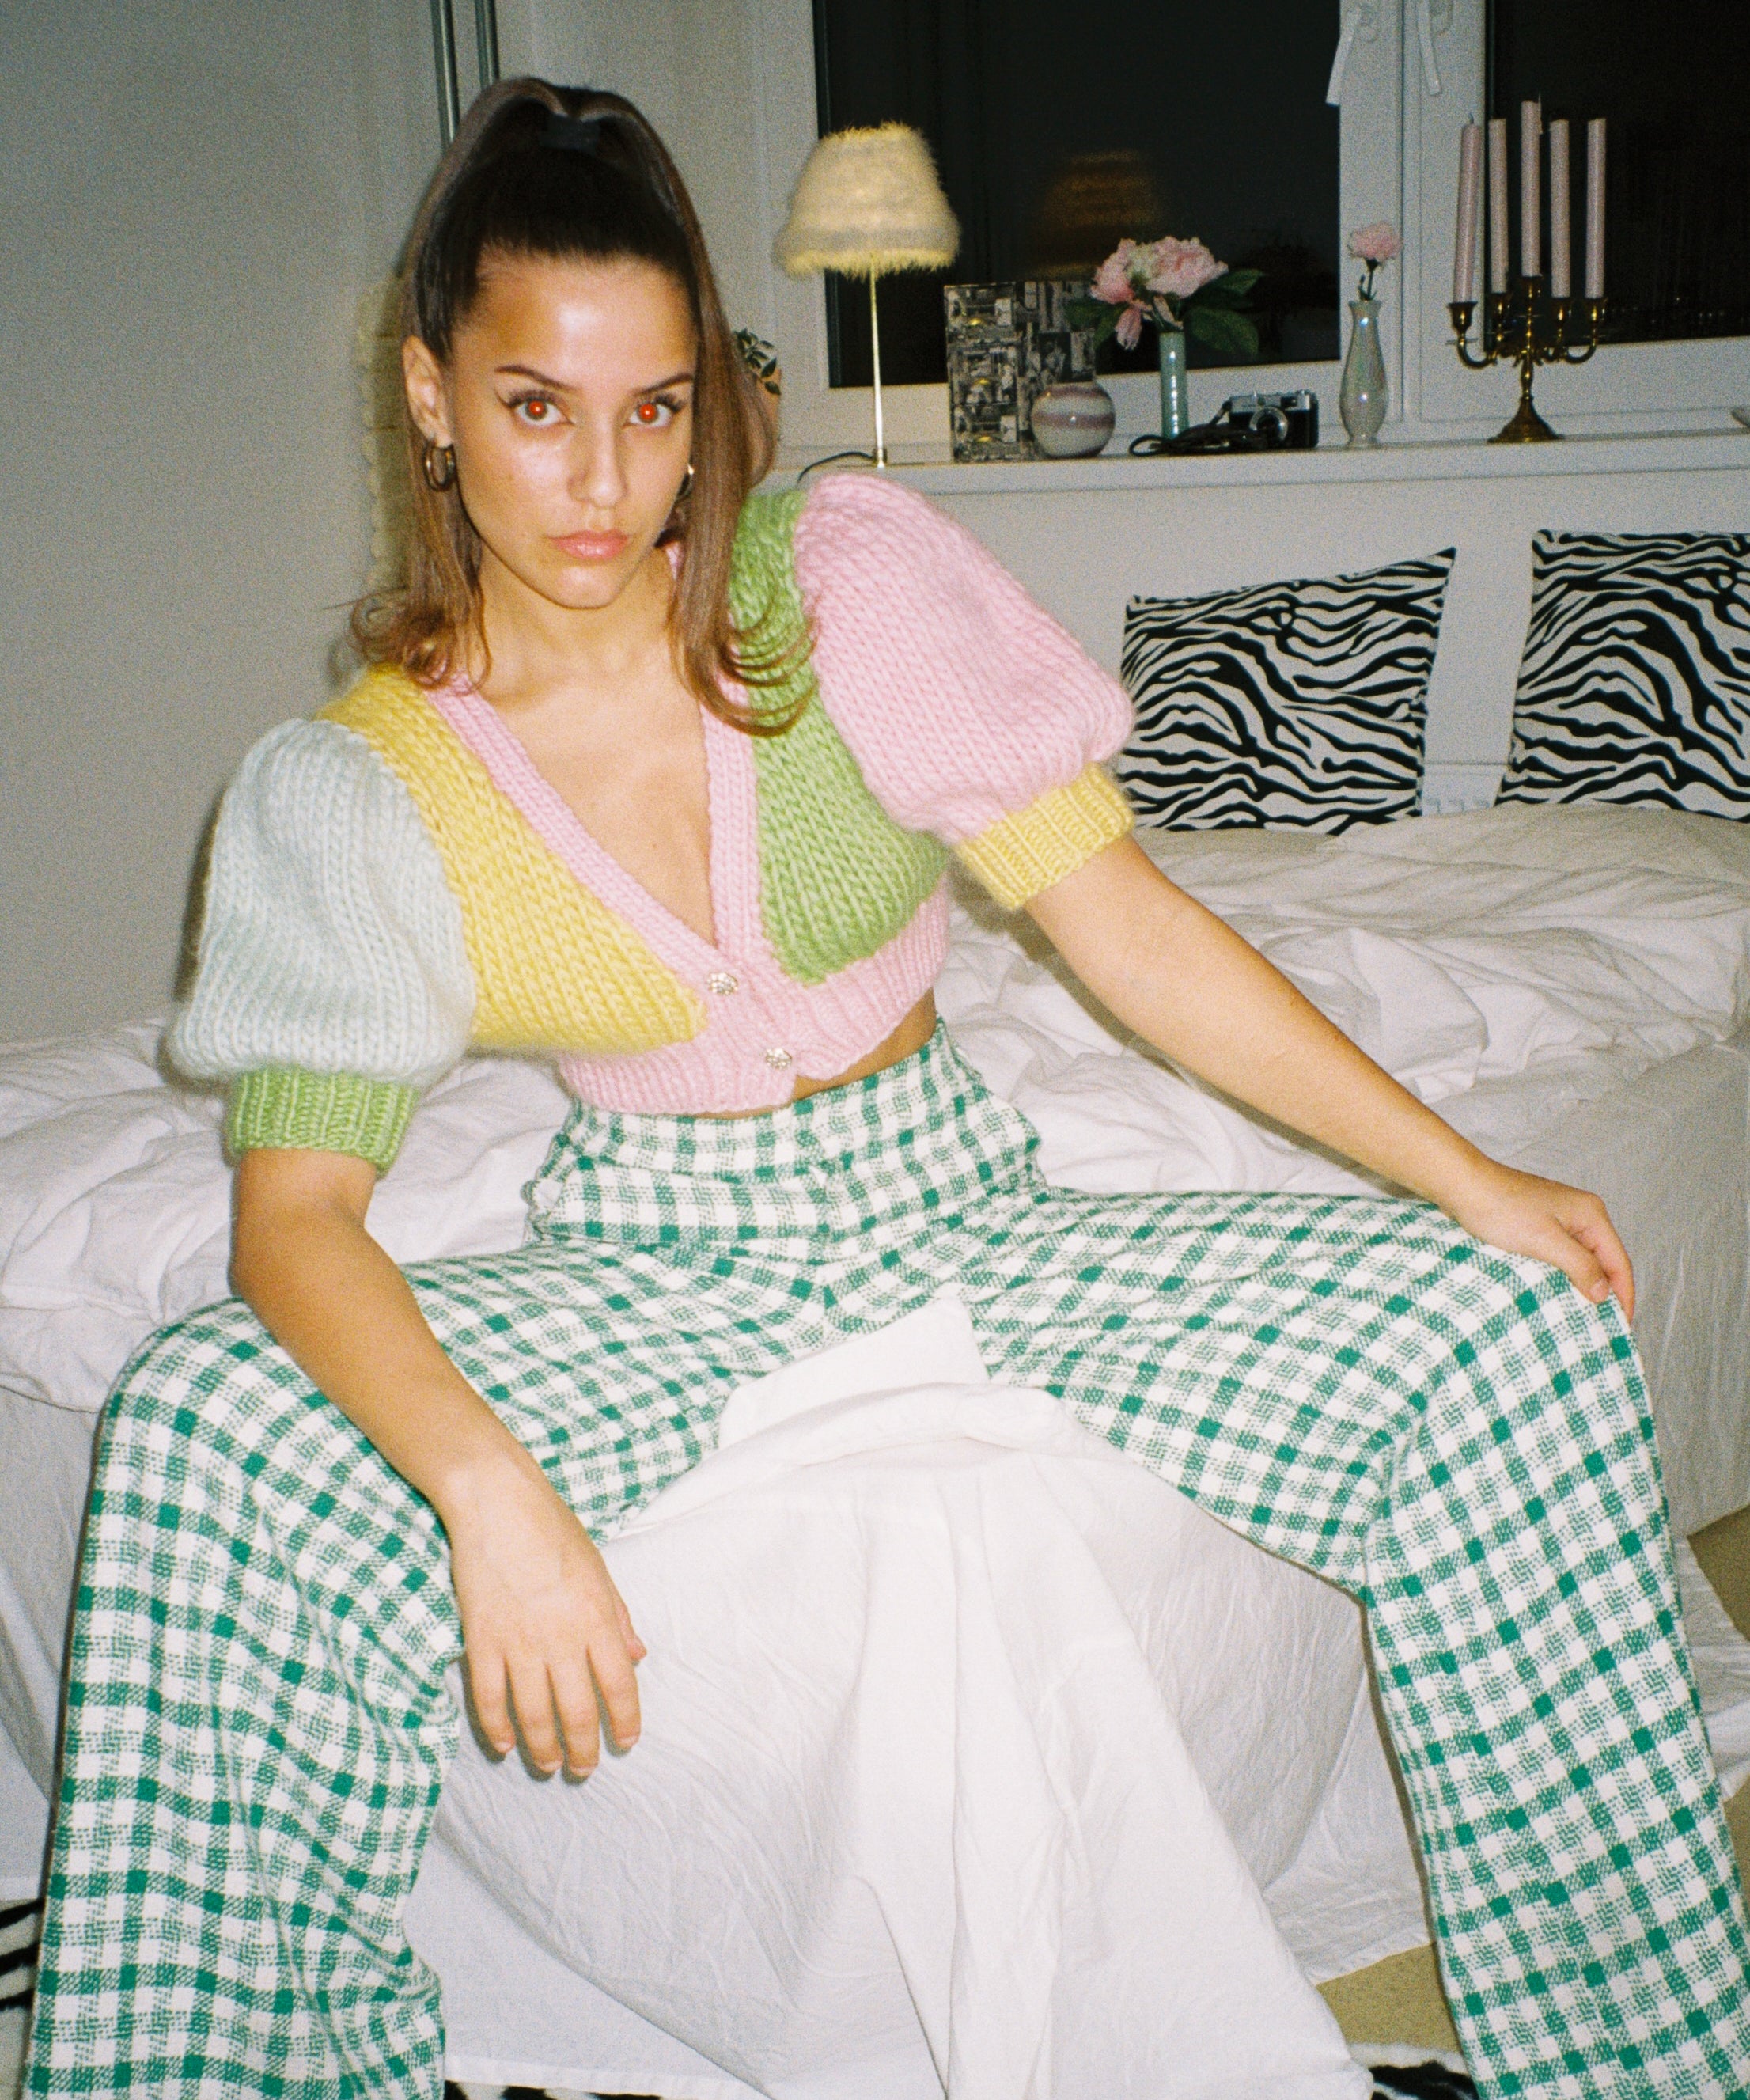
x=1073 y=419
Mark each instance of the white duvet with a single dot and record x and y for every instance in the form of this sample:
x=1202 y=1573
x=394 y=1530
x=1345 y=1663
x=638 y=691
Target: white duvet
x=995 y=1788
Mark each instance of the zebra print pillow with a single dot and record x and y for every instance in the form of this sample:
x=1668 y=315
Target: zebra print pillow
x=1290 y=703
x=1635 y=687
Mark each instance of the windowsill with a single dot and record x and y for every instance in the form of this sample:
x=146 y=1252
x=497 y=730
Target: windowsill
x=1400 y=460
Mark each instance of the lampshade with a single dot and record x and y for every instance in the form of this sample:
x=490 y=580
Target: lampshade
x=867 y=202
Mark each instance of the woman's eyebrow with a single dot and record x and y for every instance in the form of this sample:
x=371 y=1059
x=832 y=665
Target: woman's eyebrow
x=529 y=372
x=560 y=387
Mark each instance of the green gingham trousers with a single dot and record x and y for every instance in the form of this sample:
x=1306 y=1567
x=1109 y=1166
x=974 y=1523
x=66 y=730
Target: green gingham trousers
x=258 y=1724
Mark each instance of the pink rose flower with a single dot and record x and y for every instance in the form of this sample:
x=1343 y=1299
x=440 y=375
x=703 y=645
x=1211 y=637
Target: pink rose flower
x=1375 y=243
x=1130 y=326
x=1178 y=268
x=1113 y=280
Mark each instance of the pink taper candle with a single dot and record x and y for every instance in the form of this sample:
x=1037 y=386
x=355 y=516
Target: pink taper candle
x=1470 y=197
x=1497 y=204
x=1561 y=213
x=1595 y=208
x=1530 y=189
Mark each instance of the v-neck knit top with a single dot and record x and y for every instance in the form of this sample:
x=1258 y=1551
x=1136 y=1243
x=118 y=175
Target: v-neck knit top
x=392 y=883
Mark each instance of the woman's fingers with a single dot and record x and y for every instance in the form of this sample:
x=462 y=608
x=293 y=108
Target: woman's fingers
x=612 y=1661
x=1600 y=1238
x=532 y=1693
x=487 y=1687
x=628 y=1633
x=574 y=1698
x=1568 y=1227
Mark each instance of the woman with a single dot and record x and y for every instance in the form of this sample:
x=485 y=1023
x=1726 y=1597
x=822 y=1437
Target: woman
x=660 y=778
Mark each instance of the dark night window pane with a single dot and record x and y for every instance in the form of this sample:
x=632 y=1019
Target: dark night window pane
x=1058 y=129
x=1674 y=82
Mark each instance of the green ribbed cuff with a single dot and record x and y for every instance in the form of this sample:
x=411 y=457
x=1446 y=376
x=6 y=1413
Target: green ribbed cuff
x=282 y=1107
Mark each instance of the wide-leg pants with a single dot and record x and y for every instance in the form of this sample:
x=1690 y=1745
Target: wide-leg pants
x=258 y=1725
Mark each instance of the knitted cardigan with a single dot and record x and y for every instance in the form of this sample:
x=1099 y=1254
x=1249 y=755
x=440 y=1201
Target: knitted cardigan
x=392 y=883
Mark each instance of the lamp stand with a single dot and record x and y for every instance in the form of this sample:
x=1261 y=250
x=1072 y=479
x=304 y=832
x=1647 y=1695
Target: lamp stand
x=874 y=354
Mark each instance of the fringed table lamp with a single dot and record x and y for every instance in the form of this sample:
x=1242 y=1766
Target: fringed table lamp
x=867 y=203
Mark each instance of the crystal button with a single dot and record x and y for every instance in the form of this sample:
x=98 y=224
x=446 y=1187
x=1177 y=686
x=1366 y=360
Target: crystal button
x=722 y=982
x=780 y=1060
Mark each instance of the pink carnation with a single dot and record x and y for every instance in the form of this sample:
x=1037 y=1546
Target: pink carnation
x=1375 y=244
x=1178 y=268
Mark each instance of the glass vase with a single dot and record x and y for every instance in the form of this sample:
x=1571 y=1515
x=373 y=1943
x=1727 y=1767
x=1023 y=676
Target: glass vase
x=1175 y=391
x=1361 y=401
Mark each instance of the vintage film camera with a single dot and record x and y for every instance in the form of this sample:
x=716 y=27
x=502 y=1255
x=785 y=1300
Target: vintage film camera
x=1249 y=423
x=1287 y=420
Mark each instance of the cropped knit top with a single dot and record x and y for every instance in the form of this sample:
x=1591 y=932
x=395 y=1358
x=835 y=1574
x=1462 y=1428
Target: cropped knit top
x=392 y=883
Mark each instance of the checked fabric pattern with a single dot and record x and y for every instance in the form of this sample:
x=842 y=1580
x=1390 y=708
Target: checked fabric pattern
x=258 y=1727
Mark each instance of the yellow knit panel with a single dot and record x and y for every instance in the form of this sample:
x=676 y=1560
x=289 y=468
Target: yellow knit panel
x=553 y=969
x=1017 y=857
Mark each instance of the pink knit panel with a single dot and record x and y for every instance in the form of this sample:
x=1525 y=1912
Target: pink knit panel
x=961 y=701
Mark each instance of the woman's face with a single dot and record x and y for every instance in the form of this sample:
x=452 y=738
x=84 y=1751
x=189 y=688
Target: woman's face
x=568 y=397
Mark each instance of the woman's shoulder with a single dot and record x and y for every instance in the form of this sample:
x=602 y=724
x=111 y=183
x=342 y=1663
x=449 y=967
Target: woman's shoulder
x=305 y=776
x=848 y=506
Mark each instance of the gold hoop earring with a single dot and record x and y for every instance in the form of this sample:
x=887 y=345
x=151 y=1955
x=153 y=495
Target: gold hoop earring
x=685 y=489
x=438 y=463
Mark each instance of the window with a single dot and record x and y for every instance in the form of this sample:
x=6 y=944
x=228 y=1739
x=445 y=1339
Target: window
x=1674 y=83
x=1417 y=69
x=1058 y=131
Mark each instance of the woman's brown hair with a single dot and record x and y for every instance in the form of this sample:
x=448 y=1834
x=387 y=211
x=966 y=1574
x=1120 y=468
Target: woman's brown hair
x=519 y=180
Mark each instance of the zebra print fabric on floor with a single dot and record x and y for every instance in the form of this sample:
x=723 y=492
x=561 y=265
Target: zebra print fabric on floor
x=1298 y=704
x=1634 y=687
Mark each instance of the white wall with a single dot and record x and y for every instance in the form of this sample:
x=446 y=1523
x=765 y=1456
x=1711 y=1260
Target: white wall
x=197 y=192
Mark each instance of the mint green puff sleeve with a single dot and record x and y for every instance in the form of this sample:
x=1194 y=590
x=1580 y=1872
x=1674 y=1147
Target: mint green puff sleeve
x=332 y=984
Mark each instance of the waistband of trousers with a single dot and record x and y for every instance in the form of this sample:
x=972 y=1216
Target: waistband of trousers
x=930 y=1107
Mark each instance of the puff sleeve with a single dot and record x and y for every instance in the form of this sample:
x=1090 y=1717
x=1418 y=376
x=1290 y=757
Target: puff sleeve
x=972 y=714
x=332 y=984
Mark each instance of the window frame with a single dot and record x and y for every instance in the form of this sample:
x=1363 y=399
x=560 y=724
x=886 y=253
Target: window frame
x=1398 y=161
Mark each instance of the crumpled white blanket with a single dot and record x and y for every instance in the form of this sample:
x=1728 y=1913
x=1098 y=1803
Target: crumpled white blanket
x=965 y=1738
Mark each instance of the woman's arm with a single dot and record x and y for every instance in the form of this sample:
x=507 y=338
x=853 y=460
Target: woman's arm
x=542 y=1623
x=1190 y=985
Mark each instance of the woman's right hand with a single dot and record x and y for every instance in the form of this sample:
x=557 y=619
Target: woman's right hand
x=543 y=1629
x=543 y=1625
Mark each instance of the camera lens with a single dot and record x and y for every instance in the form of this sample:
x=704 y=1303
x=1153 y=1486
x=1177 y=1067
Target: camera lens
x=1272 y=423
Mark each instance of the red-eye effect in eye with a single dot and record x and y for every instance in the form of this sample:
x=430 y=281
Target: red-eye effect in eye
x=648 y=412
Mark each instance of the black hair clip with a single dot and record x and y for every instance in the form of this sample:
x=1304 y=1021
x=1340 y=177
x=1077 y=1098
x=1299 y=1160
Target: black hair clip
x=572 y=135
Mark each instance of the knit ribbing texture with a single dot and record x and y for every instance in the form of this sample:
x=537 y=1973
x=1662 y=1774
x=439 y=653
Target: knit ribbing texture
x=838 y=877
x=280 y=1106
x=554 y=969
x=1017 y=857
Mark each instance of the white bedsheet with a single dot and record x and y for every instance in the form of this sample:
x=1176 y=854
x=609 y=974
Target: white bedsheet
x=1571 y=986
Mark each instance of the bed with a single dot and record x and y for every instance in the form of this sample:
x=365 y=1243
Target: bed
x=1041 y=1783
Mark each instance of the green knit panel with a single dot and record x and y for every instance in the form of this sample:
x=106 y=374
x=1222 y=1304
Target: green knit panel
x=838 y=877
x=282 y=1108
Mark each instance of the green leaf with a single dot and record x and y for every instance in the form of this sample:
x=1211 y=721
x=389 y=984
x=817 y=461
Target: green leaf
x=1230 y=334
x=1228 y=291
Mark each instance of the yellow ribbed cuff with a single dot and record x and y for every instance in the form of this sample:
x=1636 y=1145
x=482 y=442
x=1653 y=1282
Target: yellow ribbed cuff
x=1017 y=857
x=284 y=1108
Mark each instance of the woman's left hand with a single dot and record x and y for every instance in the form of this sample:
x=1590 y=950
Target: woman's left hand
x=1568 y=1227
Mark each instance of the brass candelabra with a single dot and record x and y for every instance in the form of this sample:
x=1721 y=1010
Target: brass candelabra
x=1521 y=328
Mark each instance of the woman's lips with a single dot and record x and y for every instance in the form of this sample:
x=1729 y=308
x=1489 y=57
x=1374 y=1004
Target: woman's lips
x=592 y=546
